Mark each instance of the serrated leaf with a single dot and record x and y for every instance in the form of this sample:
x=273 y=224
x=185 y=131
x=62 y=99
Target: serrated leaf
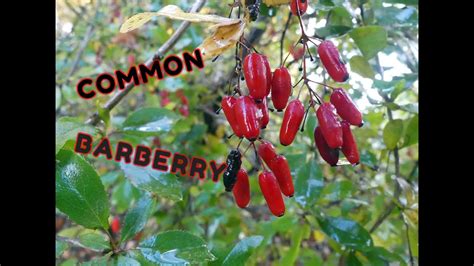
x=67 y=129
x=346 y=232
x=176 y=247
x=308 y=184
x=242 y=251
x=360 y=65
x=136 y=218
x=149 y=121
x=392 y=133
x=369 y=39
x=157 y=182
x=79 y=191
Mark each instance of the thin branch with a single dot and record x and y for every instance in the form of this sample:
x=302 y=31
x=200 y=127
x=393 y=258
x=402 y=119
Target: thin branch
x=412 y=261
x=112 y=102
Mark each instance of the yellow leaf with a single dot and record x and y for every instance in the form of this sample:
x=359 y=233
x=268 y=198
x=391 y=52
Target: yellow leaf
x=173 y=12
x=224 y=37
x=318 y=236
x=275 y=2
x=136 y=21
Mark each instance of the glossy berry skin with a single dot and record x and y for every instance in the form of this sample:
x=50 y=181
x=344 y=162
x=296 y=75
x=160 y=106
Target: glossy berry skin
x=115 y=225
x=332 y=62
x=228 y=104
x=241 y=189
x=264 y=117
x=349 y=148
x=256 y=71
x=292 y=119
x=245 y=113
x=271 y=192
x=234 y=161
x=281 y=88
x=267 y=152
x=330 y=125
x=330 y=155
x=281 y=169
x=345 y=107
x=269 y=75
x=302 y=5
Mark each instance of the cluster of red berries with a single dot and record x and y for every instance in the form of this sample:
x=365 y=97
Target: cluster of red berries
x=183 y=107
x=249 y=114
x=272 y=182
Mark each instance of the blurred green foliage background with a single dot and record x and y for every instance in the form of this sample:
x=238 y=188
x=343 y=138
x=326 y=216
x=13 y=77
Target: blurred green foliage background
x=345 y=215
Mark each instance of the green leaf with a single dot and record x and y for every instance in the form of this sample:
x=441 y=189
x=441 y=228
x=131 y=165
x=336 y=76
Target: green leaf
x=352 y=260
x=176 y=247
x=338 y=190
x=411 y=132
x=242 y=251
x=299 y=233
x=370 y=39
x=308 y=184
x=339 y=16
x=94 y=240
x=126 y=261
x=310 y=126
x=346 y=232
x=67 y=129
x=61 y=246
x=332 y=31
x=79 y=191
x=360 y=66
x=392 y=133
x=381 y=256
x=268 y=11
x=149 y=121
x=369 y=159
x=104 y=115
x=158 y=183
x=137 y=217
x=123 y=195
x=98 y=261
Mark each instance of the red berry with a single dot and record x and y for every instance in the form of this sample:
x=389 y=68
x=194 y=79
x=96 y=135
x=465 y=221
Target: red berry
x=271 y=192
x=349 y=148
x=301 y=4
x=184 y=110
x=256 y=72
x=228 y=105
x=115 y=225
x=131 y=60
x=281 y=170
x=182 y=97
x=281 y=88
x=245 y=112
x=264 y=117
x=330 y=125
x=332 y=62
x=291 y=122
x=269 y=74
x=297 y=54
x=346 y=108
x=267 y=152
x=330 y=155
x=241 y=189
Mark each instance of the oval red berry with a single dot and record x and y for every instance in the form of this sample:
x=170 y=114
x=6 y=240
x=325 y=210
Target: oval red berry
x=332 y=62
x=292 y=119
